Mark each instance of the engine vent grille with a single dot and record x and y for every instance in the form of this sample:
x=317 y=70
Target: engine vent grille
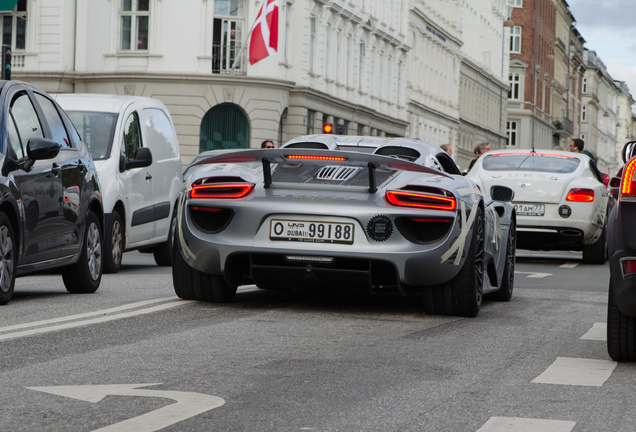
x=336 y=173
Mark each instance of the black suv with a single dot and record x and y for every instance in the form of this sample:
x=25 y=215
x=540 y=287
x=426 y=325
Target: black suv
x=51 y=214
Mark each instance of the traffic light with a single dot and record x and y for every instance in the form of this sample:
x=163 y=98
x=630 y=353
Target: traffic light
x=6 y=62
x=327 y=128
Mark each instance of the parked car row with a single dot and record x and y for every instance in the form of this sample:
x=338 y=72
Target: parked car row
x=84 y=179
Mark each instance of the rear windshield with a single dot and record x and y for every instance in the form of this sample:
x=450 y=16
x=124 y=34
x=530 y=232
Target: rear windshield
x=537 y=162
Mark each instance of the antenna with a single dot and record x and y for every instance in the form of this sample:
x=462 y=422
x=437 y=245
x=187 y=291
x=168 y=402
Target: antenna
x=60 y=85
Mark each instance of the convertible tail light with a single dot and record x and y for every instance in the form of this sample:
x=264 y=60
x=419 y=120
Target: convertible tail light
x=403 y=198
x=221 y=190
x=580 y=195
x=628 y=186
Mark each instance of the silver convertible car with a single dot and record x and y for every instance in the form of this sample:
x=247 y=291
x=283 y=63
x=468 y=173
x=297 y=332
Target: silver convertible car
x=341 y=212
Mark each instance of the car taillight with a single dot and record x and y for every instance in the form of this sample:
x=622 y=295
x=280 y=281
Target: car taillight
x=221 y=190
x=421 y=200
x=629 y=267
x=628 y=186
x=580 y=195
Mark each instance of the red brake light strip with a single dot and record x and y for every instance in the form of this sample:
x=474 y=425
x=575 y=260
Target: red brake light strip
x=221 y=191
x=314 y=157
x=628 y=187
x=421 y=200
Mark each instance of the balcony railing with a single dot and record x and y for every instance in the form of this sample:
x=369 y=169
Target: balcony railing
x=563 y=124
x=224 y=56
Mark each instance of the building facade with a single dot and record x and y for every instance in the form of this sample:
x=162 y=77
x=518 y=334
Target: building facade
x=531 y=77
x=369 y=67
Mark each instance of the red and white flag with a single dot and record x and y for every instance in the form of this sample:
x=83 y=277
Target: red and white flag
x=264 y=39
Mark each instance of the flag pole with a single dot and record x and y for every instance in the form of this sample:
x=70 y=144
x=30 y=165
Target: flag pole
x=238 y=56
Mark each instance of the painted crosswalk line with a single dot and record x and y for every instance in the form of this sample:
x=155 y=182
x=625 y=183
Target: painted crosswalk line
x=516 y=424
x=577 y=372
x=597 y=332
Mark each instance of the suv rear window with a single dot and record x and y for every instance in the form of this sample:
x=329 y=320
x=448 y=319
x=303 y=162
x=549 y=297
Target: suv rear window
x=538 y=162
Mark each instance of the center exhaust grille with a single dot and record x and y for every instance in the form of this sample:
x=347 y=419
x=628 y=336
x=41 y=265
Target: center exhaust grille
x=336 y=173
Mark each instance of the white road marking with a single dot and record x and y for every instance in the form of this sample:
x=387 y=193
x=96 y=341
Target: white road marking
x=597 y=332
x=577 y=372
x=534 y=274
x=569 y=265
x=103 y=316
x=188 y=404
x=508 y=424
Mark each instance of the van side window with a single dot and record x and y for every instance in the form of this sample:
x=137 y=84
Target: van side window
x=161 y=135
x=26 y=120
x=132 y=136
x=58 y=131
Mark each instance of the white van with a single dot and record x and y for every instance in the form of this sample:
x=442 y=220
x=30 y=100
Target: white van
x=135 y=148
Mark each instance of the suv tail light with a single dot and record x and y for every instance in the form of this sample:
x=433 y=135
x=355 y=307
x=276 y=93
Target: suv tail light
x=628 y=186
x=221 y=190
x=629 y=267
x=580 y=195
x=422 y=200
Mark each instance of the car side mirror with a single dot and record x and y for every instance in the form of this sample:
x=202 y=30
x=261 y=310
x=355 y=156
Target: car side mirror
x=42 y=148
x=502 y=193
x=142 y=158
x=629 y=151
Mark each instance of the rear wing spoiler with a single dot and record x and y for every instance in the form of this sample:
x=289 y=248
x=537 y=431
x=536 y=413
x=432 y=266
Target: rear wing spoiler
x=318 y=157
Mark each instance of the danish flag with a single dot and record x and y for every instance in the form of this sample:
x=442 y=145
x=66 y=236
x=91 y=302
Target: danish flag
x=264 y=39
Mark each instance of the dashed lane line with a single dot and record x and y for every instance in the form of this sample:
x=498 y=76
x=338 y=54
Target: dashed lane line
x=79 y=320
x=569 y=265
x=597 y=332
x=577 y=372
x=516 y=424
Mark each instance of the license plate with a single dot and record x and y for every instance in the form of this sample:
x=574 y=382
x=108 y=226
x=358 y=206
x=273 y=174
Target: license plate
x=530 y=209
x=311 y=231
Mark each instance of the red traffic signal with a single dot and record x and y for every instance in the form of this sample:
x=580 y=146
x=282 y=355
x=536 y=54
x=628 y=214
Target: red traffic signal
x=327 y=128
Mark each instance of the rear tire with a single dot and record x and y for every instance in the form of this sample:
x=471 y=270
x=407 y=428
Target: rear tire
x=621 y=332
x=113 y=243
x=508 y=279
x=163 y=252
x=8 y=262
x=463 y=295
x=596 y=253
x=191 y=284
x=85 y=276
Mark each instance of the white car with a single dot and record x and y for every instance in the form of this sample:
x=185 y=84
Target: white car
x=560 y=199
x=135 y=148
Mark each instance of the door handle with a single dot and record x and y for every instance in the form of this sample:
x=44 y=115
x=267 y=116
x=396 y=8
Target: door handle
x=148 y=176
x=55 y=168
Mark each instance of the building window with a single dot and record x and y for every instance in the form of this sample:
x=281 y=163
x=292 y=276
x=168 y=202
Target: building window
x=511 y=130
x=515 y=86
x=515 y=39
x=584 y=113
x=14 y=26
x=312 y=43
x=584 y=89
x=583 y=137
x=516 y=3
x=311 y=118
x=135 y=18
x=227 y=35
x=360 y=129
x=361 y=67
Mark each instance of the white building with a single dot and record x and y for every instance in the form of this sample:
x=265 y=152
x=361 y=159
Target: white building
x=374 y=67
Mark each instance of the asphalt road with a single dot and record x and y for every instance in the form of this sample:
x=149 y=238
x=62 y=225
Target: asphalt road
x=134 y=357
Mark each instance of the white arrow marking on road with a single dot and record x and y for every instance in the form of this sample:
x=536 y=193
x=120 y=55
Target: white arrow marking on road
x=188 y=404
x=534 y=274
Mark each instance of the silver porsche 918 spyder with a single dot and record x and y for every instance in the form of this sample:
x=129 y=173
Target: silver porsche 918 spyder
x=341 y=212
